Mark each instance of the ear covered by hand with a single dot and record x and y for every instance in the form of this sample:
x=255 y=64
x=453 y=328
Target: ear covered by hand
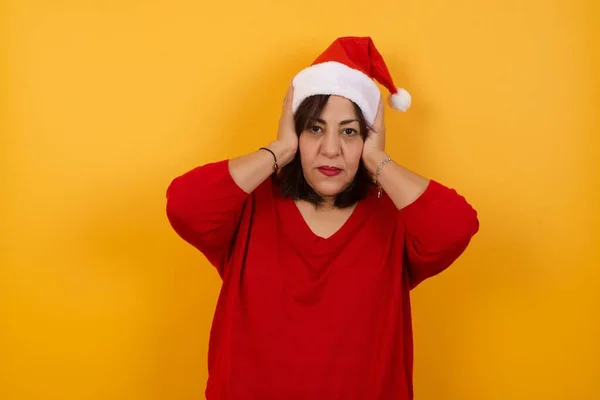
x=286 y=144
x=374 y=146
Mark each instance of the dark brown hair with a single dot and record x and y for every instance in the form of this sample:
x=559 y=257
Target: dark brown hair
x=290 y=179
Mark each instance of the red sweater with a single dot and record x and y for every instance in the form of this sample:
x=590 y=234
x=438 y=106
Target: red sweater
x=300 y=317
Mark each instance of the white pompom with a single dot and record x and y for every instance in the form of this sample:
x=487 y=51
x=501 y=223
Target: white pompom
x=401 y=100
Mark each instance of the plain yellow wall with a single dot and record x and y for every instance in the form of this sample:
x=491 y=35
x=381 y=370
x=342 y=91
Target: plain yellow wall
x=106 y=101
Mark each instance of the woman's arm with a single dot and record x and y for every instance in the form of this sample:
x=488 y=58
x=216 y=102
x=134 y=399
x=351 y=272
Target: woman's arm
x=438 y=222
x=251 y=170
x=401 y=185
x=204 y=205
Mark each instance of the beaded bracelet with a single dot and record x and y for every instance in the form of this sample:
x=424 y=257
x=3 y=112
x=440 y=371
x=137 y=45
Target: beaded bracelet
x=377 y=171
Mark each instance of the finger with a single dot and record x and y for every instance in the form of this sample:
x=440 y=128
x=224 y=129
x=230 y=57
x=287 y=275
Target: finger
x=380 y=115
x=380 y=110
x=287 y=115
x=289 y=95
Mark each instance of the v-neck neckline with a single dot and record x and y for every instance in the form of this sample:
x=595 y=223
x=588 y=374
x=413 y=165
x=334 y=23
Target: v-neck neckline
x=301 y=235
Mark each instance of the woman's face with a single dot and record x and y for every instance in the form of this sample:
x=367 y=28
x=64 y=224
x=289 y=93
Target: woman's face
x=331 y=148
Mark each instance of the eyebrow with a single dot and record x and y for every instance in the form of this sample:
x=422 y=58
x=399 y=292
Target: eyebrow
x=344 y=122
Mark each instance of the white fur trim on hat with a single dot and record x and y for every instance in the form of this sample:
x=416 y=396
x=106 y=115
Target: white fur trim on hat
x=335 y=78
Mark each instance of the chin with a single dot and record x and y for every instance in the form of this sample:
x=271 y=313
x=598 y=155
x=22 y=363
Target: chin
x=330 y=189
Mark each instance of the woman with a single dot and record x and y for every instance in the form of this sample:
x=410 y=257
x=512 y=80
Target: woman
x=318 y=238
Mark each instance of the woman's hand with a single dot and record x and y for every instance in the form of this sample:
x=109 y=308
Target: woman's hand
x=374 y=147
x=286 y=144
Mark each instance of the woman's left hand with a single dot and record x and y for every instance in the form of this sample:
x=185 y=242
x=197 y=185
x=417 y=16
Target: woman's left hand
x=374 y=147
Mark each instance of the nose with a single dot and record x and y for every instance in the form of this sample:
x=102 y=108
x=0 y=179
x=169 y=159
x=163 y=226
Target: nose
x=331 y=145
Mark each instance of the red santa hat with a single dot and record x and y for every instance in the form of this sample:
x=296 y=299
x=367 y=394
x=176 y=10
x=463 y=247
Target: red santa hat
x=347 y=68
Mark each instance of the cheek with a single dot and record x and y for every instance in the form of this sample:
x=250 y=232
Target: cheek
x=353 y=154
x=306 y=147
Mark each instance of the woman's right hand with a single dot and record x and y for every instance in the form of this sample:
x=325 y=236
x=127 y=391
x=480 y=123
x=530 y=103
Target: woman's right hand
x=250 y=170
x=286 y=144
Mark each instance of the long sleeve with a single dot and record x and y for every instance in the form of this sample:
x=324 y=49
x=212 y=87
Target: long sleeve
x=204 y=206
x=439 y=226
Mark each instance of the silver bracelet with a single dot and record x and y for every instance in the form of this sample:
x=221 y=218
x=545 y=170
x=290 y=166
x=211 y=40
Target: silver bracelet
x=377 y=171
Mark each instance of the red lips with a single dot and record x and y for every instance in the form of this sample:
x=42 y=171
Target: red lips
x=329 y=171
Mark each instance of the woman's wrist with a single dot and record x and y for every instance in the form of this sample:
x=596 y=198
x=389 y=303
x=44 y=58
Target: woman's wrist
x=373 y=159
x=284 y=152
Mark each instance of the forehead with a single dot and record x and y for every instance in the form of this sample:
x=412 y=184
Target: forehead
x=338 y=108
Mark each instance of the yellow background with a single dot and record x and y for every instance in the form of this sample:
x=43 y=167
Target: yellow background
x=104 y=102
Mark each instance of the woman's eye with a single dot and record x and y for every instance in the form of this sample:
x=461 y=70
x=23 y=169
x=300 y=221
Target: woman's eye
x=315 y=129
x=349 y=131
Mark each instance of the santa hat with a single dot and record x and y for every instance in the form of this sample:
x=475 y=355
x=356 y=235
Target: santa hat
x=347 y=68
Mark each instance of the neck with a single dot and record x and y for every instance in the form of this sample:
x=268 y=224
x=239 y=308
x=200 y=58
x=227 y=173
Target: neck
x=327 y=204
